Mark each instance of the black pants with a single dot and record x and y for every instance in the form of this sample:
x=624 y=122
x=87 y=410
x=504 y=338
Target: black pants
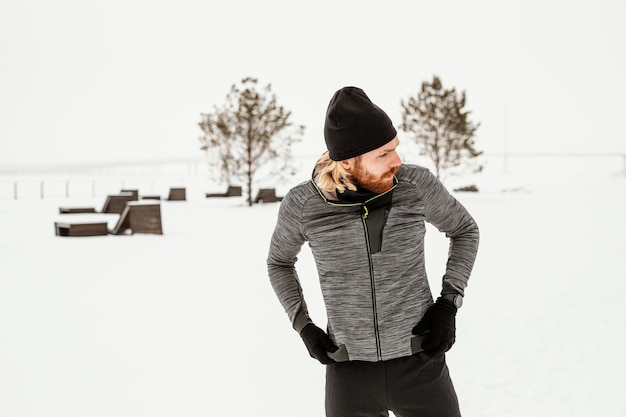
x=409 y=386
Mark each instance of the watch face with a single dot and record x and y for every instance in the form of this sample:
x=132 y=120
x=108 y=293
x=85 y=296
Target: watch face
x=458 y=301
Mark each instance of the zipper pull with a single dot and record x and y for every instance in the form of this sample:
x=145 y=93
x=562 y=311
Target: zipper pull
x=365 y=212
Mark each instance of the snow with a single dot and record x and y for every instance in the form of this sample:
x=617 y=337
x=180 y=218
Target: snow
x=186 y=323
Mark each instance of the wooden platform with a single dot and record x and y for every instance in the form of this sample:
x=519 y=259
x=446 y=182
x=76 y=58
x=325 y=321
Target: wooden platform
x=232 y=191
x=134 y=192
x=267 y=195
x=74 y=210
x=177 y=194
x=139 y=217
x=114 y=203
x=81 y=229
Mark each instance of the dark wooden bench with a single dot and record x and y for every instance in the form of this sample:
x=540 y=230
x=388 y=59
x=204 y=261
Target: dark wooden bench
x=150 y=197
x=177 y=194
x=114 y=203
x=80 y=229
x=232 y=191
x=139 y=217
x=134 y=192
x=73 y=210
x=267 y=195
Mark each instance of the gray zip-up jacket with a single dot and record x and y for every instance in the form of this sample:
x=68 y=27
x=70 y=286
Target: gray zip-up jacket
x=373 y=298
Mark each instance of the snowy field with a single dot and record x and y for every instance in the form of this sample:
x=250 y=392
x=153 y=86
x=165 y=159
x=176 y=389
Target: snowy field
x=186 y=324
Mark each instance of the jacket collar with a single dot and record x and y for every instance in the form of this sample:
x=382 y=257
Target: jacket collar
x=359 y=197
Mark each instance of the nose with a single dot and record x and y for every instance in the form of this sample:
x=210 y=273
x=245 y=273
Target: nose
x=395 y=160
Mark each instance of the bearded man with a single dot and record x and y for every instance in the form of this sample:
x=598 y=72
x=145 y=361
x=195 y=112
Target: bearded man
x=363 y=215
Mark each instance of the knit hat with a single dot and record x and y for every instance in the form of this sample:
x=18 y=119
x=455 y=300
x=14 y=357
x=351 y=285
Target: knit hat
x=354 y=125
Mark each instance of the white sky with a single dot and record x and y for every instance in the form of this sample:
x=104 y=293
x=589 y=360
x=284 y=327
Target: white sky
x=87 y=81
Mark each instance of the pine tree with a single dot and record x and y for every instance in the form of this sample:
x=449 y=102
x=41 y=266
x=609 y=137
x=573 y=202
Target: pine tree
x=441 y=128
x=249 y=136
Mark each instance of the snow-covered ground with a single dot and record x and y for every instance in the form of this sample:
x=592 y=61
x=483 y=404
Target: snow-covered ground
x=186 y=324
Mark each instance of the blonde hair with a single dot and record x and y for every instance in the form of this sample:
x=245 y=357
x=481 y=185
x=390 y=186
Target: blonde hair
x=332 y=176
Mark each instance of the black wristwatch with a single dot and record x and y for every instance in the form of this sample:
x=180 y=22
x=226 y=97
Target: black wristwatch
x=457 y=299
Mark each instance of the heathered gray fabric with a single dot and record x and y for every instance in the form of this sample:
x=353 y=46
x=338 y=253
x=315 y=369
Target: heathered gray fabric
x=372 y=300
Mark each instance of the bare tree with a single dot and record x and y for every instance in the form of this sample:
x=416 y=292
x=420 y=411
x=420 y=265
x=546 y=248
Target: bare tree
x=441 y=127
x=250 y=136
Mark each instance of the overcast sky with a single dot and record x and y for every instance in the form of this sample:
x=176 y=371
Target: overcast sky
x=88 y=81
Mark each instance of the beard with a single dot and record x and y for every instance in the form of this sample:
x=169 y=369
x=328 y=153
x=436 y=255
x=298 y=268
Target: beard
x=376 y=183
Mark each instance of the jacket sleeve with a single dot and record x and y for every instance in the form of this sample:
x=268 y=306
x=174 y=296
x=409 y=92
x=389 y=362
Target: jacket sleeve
x=285 y=245
x=449 y=216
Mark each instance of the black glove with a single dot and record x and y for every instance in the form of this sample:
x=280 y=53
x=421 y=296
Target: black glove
x=439 y=325
x=318 y=343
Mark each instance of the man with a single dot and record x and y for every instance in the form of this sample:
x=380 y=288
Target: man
x=362 y=214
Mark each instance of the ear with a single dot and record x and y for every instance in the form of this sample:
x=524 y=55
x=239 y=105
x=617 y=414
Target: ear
x=347 y=164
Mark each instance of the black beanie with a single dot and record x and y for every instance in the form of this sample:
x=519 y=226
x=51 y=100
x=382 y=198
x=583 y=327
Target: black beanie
x=354 y=125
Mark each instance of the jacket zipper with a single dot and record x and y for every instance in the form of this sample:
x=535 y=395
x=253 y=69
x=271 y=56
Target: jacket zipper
x=364 y=215
x=372 y=283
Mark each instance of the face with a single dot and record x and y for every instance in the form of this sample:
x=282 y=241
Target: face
x=374 y=170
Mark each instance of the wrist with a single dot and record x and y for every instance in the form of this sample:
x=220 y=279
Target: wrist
x=306 y=327
x=455 y=299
